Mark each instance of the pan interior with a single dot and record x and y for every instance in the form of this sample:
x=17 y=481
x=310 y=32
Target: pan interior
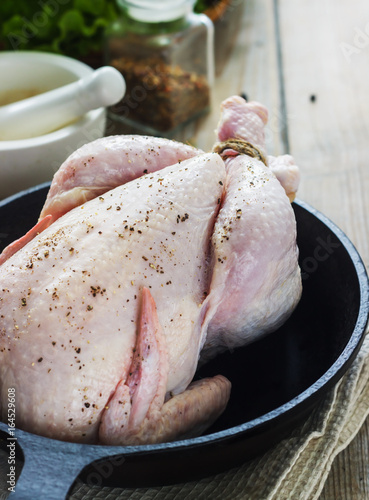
x=277 y=369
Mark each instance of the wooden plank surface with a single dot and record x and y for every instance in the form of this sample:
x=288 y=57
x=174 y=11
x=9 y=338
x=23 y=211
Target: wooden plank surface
x=329 y=136
x=325 y=54
x=311 y=69
x=252 y=70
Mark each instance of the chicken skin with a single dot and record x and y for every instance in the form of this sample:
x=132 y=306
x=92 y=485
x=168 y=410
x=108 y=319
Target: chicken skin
x=149 y=256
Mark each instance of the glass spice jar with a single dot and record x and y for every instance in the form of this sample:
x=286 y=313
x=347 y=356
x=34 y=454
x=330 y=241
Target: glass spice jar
x=165 y=53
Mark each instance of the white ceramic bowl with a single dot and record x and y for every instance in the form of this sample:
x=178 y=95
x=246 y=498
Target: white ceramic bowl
x=25 y=163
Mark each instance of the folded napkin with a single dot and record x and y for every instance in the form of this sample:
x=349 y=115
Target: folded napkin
x=295 y=468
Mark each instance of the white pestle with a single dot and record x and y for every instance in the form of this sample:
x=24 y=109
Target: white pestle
x=44 y=113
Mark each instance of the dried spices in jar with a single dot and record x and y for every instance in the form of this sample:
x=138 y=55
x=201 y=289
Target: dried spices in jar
x=165 y=53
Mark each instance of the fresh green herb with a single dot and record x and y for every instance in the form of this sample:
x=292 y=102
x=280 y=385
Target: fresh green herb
x=202 y=5
x=73 y=27
x=69 y=27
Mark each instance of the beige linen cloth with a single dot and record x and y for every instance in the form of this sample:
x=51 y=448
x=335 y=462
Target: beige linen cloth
x=296 y=468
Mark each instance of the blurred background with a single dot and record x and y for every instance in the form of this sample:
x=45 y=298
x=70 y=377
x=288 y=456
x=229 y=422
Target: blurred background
x=76 y=28
x=171 y=53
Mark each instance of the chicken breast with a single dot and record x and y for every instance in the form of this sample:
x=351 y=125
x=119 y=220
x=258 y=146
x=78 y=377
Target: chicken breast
x=148 y=254
x=73 y=308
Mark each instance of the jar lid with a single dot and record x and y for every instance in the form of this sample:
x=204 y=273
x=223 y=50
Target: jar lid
x=150 y=11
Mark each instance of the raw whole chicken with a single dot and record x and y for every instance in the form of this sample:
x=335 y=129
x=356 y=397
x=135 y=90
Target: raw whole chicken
x=149 y=255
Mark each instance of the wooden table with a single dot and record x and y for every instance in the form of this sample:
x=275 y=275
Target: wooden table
x=308 y=62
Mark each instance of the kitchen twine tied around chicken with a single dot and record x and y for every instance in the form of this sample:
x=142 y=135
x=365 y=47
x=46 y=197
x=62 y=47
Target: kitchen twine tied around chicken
x=240 y=146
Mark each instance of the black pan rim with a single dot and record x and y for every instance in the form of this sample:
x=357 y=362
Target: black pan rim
x=314 y=391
